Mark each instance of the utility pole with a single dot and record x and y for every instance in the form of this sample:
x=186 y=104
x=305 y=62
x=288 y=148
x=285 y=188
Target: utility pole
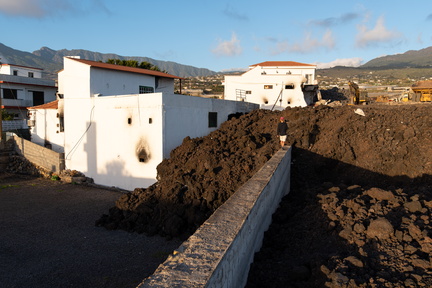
x=1 y=122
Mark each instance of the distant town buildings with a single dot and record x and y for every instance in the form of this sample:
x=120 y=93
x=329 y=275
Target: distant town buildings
x=274 y=85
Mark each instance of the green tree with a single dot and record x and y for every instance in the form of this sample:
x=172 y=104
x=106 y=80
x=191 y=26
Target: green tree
x=6 y=116
x=133 y=63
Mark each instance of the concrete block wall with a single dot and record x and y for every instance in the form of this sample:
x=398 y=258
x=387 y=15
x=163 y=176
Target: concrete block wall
x=220 y=252
x=38 y=155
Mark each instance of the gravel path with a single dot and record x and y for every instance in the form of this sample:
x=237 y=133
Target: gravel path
x=48 y=238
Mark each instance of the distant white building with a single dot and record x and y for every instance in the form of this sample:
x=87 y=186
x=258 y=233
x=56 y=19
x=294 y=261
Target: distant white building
x=121 y=122
x=274 y=85
x=22 y=87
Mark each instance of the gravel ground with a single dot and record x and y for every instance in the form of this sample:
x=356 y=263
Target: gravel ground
x=49 y=239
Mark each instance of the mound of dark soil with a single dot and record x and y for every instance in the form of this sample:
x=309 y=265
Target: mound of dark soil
x=358 y=214
x=199 y=176
x=346 y=221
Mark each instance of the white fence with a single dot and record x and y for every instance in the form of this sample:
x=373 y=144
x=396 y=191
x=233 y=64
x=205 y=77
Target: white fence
x=14 y=124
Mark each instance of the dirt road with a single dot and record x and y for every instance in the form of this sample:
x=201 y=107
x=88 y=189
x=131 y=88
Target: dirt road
x=48 y=238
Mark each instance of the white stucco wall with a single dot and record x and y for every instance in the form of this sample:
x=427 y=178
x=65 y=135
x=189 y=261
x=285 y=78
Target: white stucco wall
x=105 y=82
x=256 y=79
x=101 y=143
x=109 y=82
x=46 y=128
x=22 y=71
x=74 y=79
x=188 y=116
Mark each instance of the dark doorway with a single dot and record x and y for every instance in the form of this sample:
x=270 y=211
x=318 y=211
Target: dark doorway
x=38 y=98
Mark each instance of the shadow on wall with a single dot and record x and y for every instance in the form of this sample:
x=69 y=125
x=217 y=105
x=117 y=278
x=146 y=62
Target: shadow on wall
x=318 y=234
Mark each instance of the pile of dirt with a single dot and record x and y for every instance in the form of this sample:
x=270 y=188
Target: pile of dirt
x=200 y=175
x=346 y=221
x=358 y=214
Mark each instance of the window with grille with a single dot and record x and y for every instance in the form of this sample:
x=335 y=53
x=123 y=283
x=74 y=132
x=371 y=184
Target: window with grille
x=145 y=89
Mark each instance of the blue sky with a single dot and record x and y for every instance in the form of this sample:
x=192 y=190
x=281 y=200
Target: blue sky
x=222 y=35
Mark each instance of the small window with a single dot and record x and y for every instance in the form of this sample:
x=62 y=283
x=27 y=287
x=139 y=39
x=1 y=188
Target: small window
x=30 y=74
x=129 y=120
x=212 y=119
x=61 y=122
x=145 y=89
x=15 y=72
x=248 y=92
x=289 y=86
x=268 y=86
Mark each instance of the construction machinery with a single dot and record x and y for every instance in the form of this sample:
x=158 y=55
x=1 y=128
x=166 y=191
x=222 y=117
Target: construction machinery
x=422 y=91
x=356 y=96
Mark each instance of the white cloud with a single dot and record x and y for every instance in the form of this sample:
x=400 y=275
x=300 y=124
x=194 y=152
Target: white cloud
x=230 y=47
x=378 y=34
x=44 y=8
x=31 y=8
x=307 y=45
x=347 y=62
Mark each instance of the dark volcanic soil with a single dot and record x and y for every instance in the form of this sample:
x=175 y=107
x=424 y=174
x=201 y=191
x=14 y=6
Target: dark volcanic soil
x=359 y=208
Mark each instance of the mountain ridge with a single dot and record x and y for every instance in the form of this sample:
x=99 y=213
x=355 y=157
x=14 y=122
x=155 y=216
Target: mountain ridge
x=52 y=60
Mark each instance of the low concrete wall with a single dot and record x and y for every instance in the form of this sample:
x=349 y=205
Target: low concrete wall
x=38 y=155
x=220 y=252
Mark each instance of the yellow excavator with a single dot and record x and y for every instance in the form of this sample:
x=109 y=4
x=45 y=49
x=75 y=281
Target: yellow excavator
x=356 y=96
x=422 y=91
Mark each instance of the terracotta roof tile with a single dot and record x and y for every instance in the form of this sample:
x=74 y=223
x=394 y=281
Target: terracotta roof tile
x=281 y=64
x=125 y=68
x=49 y=105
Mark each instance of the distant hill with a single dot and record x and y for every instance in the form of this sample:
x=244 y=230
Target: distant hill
x=410 y=59
x=52 y=60
x=413 y=64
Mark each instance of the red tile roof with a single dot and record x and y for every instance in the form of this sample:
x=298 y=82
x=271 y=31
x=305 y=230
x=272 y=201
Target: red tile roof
x=34 y=68
x=50 y=105
x=281 y=64
x=125 y=68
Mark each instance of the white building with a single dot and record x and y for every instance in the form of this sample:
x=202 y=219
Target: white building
x=22 y=87
x=49 y=131
x=121 y=122
x=274 y=85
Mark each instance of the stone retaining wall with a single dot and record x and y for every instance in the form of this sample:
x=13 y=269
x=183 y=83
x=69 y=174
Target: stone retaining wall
x=220 y=252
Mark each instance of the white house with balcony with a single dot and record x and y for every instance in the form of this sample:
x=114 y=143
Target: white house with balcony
x=121 y=122
x=22 y=87
x=274 y=85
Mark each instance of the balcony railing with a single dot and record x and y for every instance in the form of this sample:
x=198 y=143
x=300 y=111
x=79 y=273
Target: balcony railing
x=26 y=80
x=17 y=102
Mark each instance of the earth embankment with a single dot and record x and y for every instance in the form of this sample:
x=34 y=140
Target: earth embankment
x=354 y=169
